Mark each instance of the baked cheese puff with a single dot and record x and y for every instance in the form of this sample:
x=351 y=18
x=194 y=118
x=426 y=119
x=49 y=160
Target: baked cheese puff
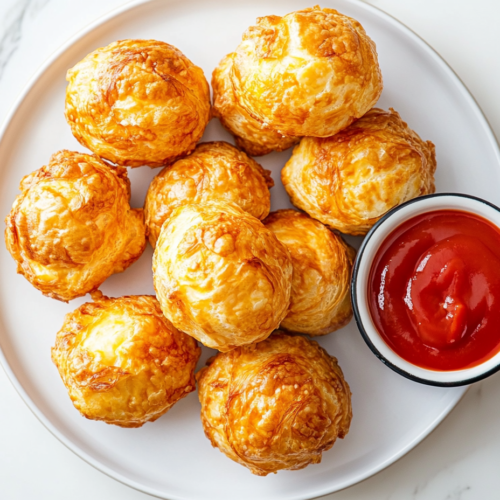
x=72 y=226
x=309 y=73
x=220 y=275
x=275 y=405
x=251 y=135
x=215 y=171
x=350 y=180
x=122 y=361
x=137 y=102
x=322 y=263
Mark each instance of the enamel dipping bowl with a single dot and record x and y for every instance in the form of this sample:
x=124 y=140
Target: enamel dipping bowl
x=361 y=275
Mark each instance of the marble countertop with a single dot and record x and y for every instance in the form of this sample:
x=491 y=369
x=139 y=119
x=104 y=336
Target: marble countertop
x=458 y=461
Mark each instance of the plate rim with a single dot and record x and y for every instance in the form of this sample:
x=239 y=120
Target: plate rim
x=96 y=464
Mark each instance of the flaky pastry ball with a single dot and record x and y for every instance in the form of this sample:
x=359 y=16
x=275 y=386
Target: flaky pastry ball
x=309 y=73
x=214 y=171
x=72 y=226
x=250 y=134
x=322 y=262
x=123 y=362
x=275 y=405
x=220 y=275
x=350 y=180
x=137 y=102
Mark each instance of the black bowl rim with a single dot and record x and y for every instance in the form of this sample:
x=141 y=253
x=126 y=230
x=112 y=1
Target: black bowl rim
x=354 y=296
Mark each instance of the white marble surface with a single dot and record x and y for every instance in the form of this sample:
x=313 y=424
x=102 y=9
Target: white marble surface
x=458 y=461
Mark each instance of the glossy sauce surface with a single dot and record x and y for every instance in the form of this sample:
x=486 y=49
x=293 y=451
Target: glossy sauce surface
x=434 y=290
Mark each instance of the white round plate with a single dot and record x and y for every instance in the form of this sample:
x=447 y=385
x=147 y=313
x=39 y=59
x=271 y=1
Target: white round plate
x=171 y=458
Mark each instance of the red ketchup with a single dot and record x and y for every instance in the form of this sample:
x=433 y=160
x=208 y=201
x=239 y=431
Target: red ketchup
x=434 y=290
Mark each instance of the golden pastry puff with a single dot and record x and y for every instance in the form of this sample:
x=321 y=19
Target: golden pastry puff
x=215 y=171
x=250 y=134
x=122 y=361
x=72 y=226
x=350 y=180
x=275 y=405
x=220 y=275
x=322 y=263
x=137 y=102
x=309 y=73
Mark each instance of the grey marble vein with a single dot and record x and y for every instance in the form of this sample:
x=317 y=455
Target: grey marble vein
x=11 y=38
x=457 y=493
x=419 y=488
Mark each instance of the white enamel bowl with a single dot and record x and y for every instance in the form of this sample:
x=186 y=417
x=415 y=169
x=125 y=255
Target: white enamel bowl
x=361 y=273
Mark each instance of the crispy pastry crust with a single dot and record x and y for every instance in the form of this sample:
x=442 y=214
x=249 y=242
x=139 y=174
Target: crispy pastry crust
x=72 y=226
x=220 y=275
x=123 y=362
x=215 y=171
x=309 y=73
x=274 y=405
x=137 y=102
x=251 y=135
x=322 y=263
x=350 y=180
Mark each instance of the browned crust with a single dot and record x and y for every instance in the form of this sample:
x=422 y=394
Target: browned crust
x=322 y=264
x=214 y=171
x=137 y=102
x=275 y=405
x=153 y=372
x=350 y=180
x=72 y=226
